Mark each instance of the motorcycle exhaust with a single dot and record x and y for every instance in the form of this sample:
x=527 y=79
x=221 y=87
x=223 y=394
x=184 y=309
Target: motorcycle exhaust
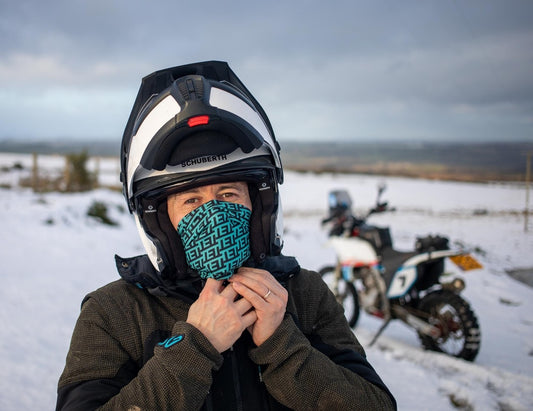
x=415 y=322
x=411 y=320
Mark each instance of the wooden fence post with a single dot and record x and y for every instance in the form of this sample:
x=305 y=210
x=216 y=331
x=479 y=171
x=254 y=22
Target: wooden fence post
x=35 y=173
x=66 y=175
x=528 y=177
x=97 y=172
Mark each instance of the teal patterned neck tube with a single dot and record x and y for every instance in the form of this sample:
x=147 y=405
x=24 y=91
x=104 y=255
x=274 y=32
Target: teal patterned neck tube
x=216 y=238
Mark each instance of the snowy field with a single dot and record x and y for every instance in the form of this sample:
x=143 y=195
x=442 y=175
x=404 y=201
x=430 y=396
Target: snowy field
x=53 y=254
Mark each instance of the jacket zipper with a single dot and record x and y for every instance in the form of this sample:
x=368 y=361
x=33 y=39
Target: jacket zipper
x=236 y=380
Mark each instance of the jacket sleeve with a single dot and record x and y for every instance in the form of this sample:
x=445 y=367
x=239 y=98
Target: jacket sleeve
x=100 y=373
x=326 y=367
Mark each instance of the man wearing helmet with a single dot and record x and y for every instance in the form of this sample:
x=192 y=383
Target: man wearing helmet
x=213 y=316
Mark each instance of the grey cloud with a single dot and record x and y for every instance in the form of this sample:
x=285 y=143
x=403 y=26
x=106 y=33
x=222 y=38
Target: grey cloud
x=384 y=59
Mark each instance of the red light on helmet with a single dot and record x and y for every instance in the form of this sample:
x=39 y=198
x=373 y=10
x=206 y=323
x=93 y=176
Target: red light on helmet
x=198 y=121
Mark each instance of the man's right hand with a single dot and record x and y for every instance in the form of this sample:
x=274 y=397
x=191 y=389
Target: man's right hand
x=219 y=316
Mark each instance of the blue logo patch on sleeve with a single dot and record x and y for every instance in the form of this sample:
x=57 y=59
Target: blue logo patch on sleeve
x=169 y=342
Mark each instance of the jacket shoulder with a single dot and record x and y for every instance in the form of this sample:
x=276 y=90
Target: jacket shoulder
x=308 y=285
x=119 y=291
x=310 y=299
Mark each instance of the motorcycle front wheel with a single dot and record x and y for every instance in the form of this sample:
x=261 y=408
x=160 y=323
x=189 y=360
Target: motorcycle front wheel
x=451 y=314
x=345 y=293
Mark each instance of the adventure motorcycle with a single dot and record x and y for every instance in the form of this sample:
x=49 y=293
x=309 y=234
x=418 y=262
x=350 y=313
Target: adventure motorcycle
x=408 y=286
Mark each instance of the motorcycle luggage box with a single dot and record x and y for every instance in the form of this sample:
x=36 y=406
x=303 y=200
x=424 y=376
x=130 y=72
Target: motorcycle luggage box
x=431 y=243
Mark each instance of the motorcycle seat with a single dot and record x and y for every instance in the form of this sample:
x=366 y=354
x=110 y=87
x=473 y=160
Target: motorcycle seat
x=391 y=260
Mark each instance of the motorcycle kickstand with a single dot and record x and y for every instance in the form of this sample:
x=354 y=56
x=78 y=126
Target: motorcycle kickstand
x=379 y=332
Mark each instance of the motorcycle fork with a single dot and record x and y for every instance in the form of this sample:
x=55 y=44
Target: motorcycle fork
x=371 y=277
x=337 y=278
x=374 y=296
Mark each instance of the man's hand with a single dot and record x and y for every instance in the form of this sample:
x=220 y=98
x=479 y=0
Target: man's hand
x=267 y=296
x=219 y=316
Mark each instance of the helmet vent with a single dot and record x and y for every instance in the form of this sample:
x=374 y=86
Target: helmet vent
x=191 y=89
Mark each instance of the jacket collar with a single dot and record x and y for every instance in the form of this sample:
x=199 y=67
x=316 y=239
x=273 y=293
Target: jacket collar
x=139 y=271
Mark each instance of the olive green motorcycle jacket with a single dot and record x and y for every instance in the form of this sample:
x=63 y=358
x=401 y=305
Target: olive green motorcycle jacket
x=132 y=349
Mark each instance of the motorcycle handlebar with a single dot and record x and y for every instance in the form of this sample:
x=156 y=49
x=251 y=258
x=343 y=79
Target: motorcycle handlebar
x=381 y=208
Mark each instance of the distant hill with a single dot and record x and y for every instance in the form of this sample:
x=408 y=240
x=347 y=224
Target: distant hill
x=449 y=161
x=94 y=147
x=446 y=161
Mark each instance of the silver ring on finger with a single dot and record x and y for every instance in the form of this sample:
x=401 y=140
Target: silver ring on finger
x=267 y=294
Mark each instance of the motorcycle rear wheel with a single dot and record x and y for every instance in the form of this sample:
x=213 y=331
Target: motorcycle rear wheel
x=452 y=315
x=345 y=293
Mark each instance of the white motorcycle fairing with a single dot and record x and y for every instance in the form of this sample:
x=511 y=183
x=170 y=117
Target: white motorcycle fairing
x=353 y=251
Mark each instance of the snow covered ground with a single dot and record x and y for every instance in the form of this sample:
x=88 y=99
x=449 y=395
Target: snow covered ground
x=52 y=254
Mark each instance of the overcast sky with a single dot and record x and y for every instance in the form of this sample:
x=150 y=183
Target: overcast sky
x=434 y=70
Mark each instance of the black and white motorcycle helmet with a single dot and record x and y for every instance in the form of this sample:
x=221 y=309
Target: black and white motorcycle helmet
x=193 y=125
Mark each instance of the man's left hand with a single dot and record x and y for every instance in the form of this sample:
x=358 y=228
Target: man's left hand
x=267 y=296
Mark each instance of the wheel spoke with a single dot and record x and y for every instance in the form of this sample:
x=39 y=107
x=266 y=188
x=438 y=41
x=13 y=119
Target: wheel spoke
x=456 y=322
